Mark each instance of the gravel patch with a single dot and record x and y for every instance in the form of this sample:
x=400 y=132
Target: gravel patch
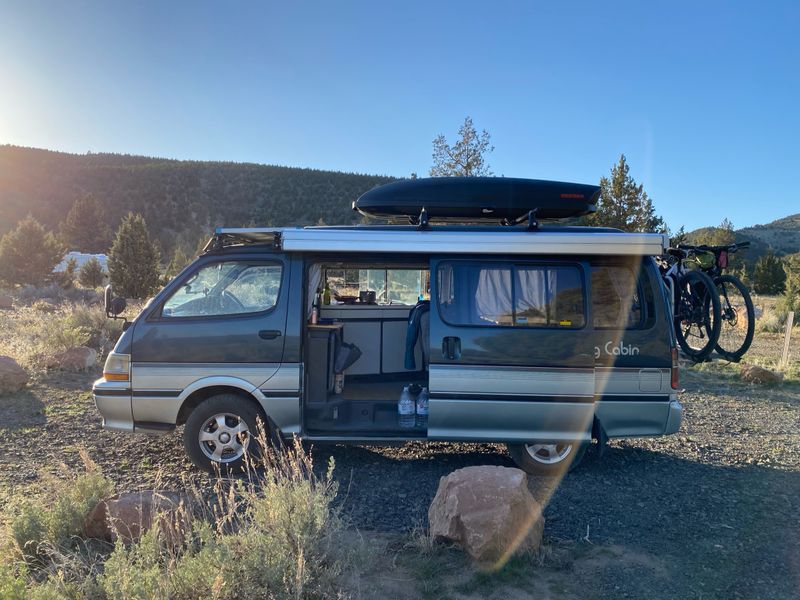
x=716 y=508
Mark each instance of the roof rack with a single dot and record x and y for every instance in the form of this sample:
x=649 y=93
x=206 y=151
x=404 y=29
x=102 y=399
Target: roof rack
x=444 y=240
x=227 y=237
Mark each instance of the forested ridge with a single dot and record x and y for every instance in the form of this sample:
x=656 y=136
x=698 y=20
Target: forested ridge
x=182 y=201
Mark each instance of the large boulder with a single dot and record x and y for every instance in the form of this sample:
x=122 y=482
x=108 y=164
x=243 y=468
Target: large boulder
x=756 y=374
x=129 y=515
x=12 y=377
x=488 y=511
x=74 y=359
x=6 y=302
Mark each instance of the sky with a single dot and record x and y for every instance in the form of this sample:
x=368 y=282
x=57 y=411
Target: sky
x=703 y=98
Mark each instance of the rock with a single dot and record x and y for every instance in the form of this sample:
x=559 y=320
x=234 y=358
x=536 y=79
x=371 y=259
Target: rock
x=74 y=359
x=6 y=302
x=756 y=374
x=12 y=377
x=129 y=515
x=488 y=511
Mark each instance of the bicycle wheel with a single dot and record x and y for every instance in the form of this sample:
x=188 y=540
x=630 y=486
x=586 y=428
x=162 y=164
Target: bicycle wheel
x=697 y=313
x=737 y=316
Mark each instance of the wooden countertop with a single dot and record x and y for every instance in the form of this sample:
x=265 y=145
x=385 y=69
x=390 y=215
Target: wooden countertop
x=326 y=326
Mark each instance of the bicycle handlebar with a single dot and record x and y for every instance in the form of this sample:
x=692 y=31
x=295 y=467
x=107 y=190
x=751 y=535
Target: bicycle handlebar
x=715 y=249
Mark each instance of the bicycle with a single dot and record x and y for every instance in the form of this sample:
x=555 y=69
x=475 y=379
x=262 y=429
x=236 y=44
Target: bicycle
x=738 y=315
x=695 y=306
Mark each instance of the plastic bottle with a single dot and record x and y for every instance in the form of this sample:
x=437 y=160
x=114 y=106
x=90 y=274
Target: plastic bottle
x=406 y=408
x=422 y=403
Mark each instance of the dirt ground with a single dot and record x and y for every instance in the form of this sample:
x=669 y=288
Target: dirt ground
x=712 y=512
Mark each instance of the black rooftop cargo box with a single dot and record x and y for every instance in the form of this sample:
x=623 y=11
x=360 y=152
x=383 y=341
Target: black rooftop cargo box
x=478 y=198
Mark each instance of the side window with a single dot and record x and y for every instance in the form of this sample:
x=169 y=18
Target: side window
x=226 y=288
x=511 y=296
x=617 y=301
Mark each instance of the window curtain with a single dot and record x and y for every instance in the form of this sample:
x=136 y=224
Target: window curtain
x=314 y=281
x=493 y=295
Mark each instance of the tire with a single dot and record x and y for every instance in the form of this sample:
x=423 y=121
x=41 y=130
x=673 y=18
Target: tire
x=697 y=315
x=734 y=341
x=567 y=456
x=229 y=423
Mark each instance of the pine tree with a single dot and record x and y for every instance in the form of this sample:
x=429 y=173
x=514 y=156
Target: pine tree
x=91 y=274
x=85 y=228
x=624 y=204
x=465 y=158
x=768 y=275
x=679 y=238
x=179 y=260
x=133 y=259
x=28 y=254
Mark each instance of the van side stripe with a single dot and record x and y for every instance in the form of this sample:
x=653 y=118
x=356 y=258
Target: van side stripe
x=634 y=398
x=511 y=397
x=156 y=393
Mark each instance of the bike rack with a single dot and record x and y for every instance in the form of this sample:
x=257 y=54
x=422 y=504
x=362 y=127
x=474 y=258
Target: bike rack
x=670 y=295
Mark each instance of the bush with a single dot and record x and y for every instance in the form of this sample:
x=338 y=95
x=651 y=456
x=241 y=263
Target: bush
x=92 y=275
x=270 y=535
x=30 y=293
x=771 y=321
x=58 y=521
x=29 y=254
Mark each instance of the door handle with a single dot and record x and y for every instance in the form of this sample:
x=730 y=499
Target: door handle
x=269 y=334
x=451 y=347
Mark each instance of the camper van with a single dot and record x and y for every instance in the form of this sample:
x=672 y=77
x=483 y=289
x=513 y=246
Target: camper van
x=482 y=318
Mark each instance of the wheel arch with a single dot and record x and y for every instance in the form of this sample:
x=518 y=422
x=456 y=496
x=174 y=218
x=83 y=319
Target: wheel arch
x=205 y=388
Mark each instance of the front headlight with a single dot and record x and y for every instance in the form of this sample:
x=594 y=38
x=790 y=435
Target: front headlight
x=117 y=367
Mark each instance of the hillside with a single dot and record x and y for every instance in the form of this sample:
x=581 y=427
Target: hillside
x=182 y=201
x=781 y=235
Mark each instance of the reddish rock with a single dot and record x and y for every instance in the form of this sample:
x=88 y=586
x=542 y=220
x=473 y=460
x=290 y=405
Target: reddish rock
x=756 y=374
x=74 y=359
x=488 y=511
x=128 y=516
x=12 y=377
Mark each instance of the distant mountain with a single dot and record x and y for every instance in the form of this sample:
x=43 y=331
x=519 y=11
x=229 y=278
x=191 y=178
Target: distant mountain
x=182 y=201
x=781 y=236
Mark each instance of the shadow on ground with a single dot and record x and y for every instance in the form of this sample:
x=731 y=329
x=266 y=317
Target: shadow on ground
x=711 y=530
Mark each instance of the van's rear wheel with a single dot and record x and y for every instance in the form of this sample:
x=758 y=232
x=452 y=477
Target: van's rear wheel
x=548 y=458
x=220 y=432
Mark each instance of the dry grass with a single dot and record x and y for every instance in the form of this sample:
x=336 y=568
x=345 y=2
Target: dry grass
x=271 y=533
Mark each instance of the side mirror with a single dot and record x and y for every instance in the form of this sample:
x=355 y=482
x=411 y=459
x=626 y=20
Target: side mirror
x=113 y=306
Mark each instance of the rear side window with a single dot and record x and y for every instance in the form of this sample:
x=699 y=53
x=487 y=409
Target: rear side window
x=621 y=298
x=511 y=295
x=225 y=288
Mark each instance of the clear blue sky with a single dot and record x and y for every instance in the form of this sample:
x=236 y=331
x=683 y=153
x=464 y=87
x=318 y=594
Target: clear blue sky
x=702 y=97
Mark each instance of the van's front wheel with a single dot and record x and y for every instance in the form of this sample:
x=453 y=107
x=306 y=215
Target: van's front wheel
x=220 y=432
x=549 y=459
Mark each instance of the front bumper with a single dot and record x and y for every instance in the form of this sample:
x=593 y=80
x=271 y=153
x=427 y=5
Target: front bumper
x=674 y=417
x=113 y=400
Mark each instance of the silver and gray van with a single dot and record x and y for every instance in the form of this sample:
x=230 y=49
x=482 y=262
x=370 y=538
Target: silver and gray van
x=543 y=337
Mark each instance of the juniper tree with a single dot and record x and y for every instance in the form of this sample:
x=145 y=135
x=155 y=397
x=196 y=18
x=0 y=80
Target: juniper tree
x=133 y=262
x=624 y=204
x=85 y=227
x=768 y=275
x=91 y=274
x=465 y=158
x=29 y=253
